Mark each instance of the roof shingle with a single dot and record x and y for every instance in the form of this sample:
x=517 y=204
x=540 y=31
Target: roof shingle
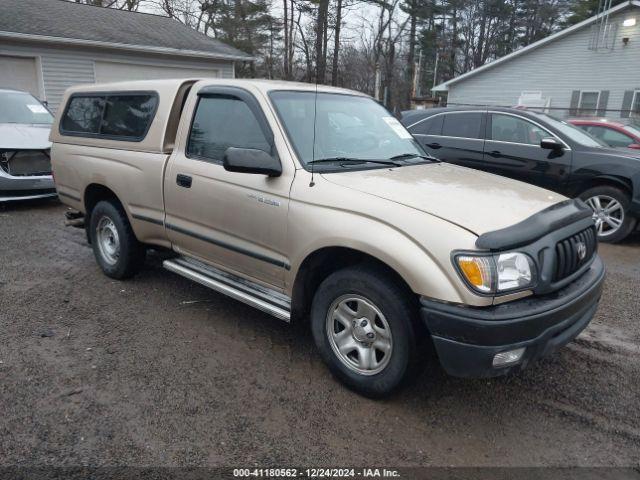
x=70 y=20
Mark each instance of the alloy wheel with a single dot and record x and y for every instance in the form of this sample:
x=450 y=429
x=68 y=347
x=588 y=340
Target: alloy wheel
x=608 y=213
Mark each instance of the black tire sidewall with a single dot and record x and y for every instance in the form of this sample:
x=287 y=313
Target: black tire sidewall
x=629 y=222
x=130 y=251
x=399 y=313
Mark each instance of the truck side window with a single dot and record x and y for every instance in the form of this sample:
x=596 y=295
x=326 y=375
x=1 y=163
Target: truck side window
x=221 y=122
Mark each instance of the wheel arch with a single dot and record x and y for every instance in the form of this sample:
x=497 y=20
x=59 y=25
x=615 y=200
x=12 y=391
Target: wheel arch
x=623 y=183
x=94 y=193
x=324 y=261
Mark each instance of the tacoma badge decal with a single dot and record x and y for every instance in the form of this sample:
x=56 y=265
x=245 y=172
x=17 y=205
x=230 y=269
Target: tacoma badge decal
x=266 y=201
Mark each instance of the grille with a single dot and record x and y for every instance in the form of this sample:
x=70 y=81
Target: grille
x=26 y=163
x=569 y=250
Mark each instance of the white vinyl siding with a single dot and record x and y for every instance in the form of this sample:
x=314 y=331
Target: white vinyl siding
x=47 y=71
x=117 y=72
x=559 y=68
x=61 y=72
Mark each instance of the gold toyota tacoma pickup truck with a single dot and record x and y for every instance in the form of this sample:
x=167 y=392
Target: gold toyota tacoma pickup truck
x=314 y=203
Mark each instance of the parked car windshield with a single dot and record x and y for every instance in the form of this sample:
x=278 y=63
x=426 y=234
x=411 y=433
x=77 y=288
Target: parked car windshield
x=347 y=127
x=22 y=107
x=574 y=133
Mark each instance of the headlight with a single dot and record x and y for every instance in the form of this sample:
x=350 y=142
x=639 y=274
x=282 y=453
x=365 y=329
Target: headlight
x=491 y=274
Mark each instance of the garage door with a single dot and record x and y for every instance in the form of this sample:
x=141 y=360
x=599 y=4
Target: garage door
x=19 y=73
x=117 y=72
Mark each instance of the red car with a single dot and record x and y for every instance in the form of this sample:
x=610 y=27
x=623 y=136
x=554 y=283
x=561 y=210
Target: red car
x=611 y=132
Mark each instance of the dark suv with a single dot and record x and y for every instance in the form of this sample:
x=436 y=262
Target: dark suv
x=539 y=149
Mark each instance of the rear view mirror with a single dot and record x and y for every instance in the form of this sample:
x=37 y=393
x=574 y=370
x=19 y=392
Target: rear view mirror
x=550 y=143
x=250 y=160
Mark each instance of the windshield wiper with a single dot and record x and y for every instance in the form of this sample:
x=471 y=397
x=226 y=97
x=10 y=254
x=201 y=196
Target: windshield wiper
x=403 y=156
x=354 y=160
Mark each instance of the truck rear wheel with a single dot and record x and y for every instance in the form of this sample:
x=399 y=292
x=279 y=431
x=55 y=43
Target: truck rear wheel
x=363 y=327
x=115 y=246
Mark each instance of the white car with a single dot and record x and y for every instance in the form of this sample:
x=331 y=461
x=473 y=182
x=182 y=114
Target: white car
x=25 y=164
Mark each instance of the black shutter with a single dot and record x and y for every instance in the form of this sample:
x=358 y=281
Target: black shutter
x=626 y=103
x=575 y=98
x=602 y=103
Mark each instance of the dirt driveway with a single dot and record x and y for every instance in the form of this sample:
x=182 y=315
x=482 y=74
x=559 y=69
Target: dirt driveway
x=159 y=371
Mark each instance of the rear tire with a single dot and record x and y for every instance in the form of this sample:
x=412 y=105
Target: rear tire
x=610 y=207
x=115 y=246
x=363 y=325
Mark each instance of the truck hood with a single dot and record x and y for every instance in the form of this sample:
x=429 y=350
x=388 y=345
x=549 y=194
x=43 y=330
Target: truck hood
x=15 y=136
x=477 y=201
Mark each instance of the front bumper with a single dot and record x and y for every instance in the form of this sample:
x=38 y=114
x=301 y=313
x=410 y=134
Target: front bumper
x=467 y=338
x=25 y=187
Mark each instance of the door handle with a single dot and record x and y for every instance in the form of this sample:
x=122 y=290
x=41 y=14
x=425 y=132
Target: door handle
x=434 y=145
x=183 y=180
x=495 y=154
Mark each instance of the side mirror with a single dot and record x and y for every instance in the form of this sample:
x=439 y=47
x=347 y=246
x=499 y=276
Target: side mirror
x=251 y=160
x=635 y=146
x=550 y=143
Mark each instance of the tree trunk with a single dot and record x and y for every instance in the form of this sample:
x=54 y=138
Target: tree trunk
x=411 y=56
x=454 y=43
x=336 y=45
x=477 y=61
x=321 y=23
x=286 y=41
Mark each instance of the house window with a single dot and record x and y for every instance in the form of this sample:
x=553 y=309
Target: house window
x=589 y=102
x=635 y=105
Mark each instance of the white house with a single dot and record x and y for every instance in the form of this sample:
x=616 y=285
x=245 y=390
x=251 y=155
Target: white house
x=47 y=46
x=591 y=68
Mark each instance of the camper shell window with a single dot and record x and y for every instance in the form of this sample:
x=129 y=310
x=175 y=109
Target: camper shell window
x=124 y=116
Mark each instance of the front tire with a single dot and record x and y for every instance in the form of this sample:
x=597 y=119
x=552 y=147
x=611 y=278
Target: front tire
x=115 y=246
x=363 y=325
x=610 y=207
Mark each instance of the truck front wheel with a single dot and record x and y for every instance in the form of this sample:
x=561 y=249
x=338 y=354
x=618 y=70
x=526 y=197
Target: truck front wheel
x=115 y=246
x=363 y=327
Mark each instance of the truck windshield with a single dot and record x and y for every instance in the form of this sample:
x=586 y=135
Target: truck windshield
x=347 y=127
x=22 y=107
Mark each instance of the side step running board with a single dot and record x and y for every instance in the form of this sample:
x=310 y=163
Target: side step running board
x=262 y=298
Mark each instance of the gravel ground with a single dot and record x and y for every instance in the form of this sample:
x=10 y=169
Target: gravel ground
x=159 y=371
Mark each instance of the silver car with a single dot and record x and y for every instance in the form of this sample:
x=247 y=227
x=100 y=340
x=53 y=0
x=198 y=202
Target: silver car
x=25 y=165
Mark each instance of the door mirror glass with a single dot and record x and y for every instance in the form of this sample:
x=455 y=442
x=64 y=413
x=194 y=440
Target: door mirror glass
x=550 y=143
x=251 y=160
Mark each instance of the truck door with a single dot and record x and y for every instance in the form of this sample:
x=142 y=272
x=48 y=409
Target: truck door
x=235 y=221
